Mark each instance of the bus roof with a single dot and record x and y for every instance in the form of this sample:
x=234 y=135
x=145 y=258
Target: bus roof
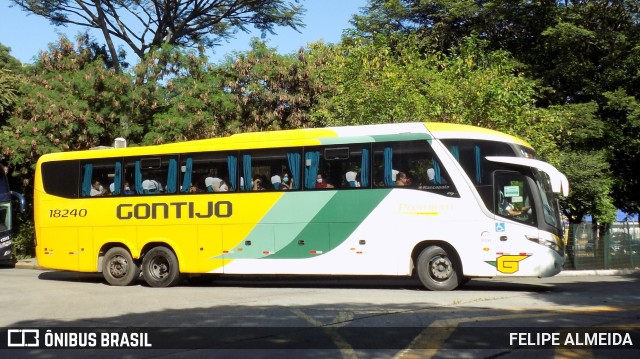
x=454 y=130
x=305 y=137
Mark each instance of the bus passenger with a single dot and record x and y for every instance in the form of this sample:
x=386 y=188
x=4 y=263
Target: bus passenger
x=431 y=175
x=351 y=179
x=321 y=182
x=257 y=184
x=222 y=186
x=402 y=179
x=276 y=182
x=96 y=189
x=215 y=184
x=287 y=181
x=127 y=188
x=150 y=187
x=510 y=209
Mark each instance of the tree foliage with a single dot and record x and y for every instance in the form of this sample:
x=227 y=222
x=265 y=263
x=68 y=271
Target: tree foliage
x=69 y=101
x=394 y=80
x=8 y=92
x=147 y=24
x=579 y=52
x=9 y=66
x=7 y=61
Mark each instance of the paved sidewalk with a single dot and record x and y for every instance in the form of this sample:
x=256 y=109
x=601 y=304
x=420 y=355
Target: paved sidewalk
x=32 y=263
x=29 y=263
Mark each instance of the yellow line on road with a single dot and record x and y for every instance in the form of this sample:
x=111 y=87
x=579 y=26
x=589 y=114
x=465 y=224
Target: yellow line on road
x=439 y=331
x=346 y=350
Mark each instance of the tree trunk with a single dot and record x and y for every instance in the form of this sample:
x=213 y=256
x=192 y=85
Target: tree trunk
x=115 y=63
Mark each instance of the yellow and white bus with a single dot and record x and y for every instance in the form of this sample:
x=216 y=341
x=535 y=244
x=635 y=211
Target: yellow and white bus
x=446 y=202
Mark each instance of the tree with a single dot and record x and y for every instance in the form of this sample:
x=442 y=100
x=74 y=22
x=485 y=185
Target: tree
x=8 y=82
x=146 y=24
x=579 y=52
x=394 y=80
x=250 y=91
x=7 y=61
x=8 y=93
x=69 y=101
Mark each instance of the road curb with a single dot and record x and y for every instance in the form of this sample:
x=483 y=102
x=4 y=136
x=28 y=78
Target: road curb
x=597 y=272
x=30 y=263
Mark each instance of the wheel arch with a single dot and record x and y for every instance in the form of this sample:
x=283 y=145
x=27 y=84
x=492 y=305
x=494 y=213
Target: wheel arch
x=418 y=248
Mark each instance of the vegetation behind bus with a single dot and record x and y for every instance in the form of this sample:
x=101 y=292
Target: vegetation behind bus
x=69 y=99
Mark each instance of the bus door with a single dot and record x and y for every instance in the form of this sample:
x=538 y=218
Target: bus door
x=515 y=221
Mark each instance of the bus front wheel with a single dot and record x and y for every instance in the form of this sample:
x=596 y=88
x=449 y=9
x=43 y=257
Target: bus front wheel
x=437 y=269
x=160 y=267
x=118 y=267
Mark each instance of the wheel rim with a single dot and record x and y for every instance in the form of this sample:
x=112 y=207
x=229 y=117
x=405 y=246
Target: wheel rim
x=440 y=268
x=118 y=267
x=159 y=267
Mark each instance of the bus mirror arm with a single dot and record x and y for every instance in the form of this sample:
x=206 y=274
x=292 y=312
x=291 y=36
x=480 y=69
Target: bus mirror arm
x=20 y=199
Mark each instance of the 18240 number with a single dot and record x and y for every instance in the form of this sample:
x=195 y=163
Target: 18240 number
x=65 y=213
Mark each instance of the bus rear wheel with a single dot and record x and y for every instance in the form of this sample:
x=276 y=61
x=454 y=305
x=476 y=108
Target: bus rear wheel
x=437 y=269
x=118 y=267
x=160 y=267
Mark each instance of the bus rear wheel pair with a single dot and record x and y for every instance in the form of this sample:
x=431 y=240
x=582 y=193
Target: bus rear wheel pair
x=159 y=267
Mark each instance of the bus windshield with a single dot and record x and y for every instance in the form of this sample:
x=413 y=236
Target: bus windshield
x=5 y=203
x=551 y=208
x=5 y=216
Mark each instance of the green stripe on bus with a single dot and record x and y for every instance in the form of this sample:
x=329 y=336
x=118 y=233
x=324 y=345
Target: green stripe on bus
x=327 y=141
x=402 y=137
x=333 y=224
x=282 y=224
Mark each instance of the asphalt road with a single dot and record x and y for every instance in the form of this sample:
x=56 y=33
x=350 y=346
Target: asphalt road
x=323 y=317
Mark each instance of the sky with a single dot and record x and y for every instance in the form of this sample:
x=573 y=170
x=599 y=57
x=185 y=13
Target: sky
x=325 y=20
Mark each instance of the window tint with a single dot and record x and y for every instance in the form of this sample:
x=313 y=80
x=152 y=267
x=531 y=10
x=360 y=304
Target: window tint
x=60 y=178
x=208 y=172
x=101 y=177
x=270 y=170
x=471 y=156
x=337 y=167
x=151 y=175
x=411 y=164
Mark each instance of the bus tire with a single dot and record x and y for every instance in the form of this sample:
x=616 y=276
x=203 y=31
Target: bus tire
x=118 y=267
x=160 y=267
x=437 y=269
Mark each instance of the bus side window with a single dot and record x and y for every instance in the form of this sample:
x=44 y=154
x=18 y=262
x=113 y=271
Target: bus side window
x=101 y=178
x=271 y=170
x=152 y=175
x=62 y=178
x=338 y=167
x=209 y=172
x=411 y=164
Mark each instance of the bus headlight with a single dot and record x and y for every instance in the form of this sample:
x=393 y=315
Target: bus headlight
x=550 y=241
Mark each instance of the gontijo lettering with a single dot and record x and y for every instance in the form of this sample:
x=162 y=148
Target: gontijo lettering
x=161 y=210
